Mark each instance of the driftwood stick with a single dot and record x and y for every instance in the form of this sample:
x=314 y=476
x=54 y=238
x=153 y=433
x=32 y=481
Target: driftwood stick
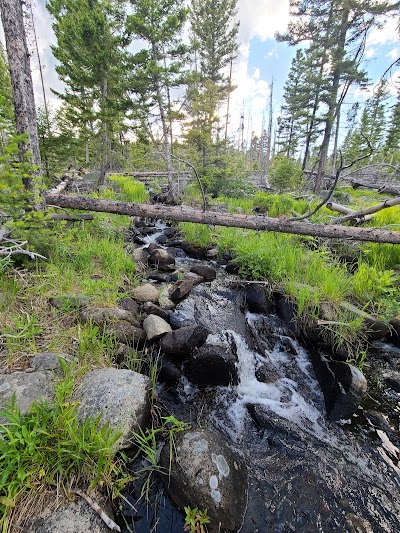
x=180 y=214
x=96 y=507
x=368 y=211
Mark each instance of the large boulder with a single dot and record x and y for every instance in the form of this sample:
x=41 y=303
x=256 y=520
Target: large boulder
x=212 y=364
x=146 y=293
x=162 y=259
x=181 y=342
x=155 y=327
x=207 y=474
x=343 y=386
x=120 y=397
x=257 y=299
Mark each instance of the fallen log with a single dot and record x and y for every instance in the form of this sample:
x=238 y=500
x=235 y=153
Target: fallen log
x=69 y=216
x=338 y=208
x=60 y=187
x=379 y=187
x=368 y=211
x=181 y=214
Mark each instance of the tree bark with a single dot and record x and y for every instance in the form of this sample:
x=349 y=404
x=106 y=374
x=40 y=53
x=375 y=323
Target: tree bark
x=22 y=89
x=368 y=211
x=104 y=136
x=178 y=214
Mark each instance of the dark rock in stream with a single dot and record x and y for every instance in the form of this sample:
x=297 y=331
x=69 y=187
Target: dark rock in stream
x=205 y=271
x=392 y=380
x=152 y=309
x=394 y=334
x=162 y=259
x=342 y=384
x=180 y=290
x=286 y=310
x=191 y=250
x=181 y=342
x=232 y=268
x=212 y=364
x=129 y=304
x=257 y=299
x=207 y=472
x=162 y=239
x=169 y=371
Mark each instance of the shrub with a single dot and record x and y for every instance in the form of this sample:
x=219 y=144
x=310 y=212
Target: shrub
x=285 y=173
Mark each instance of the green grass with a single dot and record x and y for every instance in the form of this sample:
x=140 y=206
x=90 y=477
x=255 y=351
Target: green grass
x=49 y=449
x=131 y=189
x=197 y=234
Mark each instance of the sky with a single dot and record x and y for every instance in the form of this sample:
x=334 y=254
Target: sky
x=261 y=59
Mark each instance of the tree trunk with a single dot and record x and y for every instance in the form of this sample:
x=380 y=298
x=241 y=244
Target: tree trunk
x=104 y=136
x=178 y=214
x=166 y=145
x=22 y=89
x=333 y=106
x=312 y=121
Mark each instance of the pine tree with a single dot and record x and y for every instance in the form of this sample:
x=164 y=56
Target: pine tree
x=90 y=48
x=392 y=142
x=159 y=66
x=337 y=30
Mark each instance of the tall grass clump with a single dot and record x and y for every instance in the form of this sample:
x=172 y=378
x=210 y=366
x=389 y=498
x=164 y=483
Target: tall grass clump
x=48 y=450
x=276 y=205
x=197 y=234
x=131 y=189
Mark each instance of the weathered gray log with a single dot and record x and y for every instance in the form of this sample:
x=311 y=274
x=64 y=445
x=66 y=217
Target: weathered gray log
x=338 y=208
x=69 y=216
x=181 y=214
x=368 y=211
x=60 y=187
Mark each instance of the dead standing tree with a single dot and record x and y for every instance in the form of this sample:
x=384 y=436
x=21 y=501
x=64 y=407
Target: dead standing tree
x=12 y=17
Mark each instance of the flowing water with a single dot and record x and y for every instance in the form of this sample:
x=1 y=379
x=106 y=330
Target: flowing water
x=306 y=474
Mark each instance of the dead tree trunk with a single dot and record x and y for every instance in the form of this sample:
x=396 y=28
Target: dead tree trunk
x=22 y=89
x=179 y=214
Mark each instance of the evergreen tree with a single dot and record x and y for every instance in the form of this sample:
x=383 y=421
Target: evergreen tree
x=159 y=66
x=337 y=30
x=90 y=48
x=392 y=142
x=6 y=107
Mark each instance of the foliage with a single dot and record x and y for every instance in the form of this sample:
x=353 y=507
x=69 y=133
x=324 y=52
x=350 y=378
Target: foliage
x=195 y=520
x=48 y=447
x=285 y=173
x=276 y=205
x=132 y=190
x=197 y=234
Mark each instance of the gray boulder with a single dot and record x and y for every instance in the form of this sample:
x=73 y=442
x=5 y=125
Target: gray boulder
x=101 y=315
x=155 y=327
x=140 y=256
x=126 y=333
x=162 y=258
x=146 y=293
x=181 y=342
x=120 y=396
x=207 y=474
x=129 y=304
x=205 y=271
x=152 y=309
x=257 y=300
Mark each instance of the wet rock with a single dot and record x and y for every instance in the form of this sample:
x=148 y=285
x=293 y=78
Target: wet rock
x=286 y=310
x=129 y=304
x=197 y=252
x=194 y=278
x=342 y=385
x=266 y=374
x=146 y=293
x=152 y=309
x=392 y=379
x=169 y=371
x=153 y=246
x=161 y=278
x=394 y=334
x=212 y=253
x=183 y=341
x=139 y=240
x=162 y=259
x=212 y=364
x=155 y=327
x=67 y=302
x=180 y=290
x=72 y=517
x=161 y=239
x=171 y=232
x=140 y=223
x=208 y=273
x=206 y=471
x=232 y=268
x=148 y=231
x=257 y=300
x=120 y=396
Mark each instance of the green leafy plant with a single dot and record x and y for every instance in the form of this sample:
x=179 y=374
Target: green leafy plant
x=48 y=448
x=196 y=520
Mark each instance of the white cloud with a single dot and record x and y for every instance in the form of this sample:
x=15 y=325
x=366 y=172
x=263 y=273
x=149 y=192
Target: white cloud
x=370 y=52
x=387 y=34
x=262 y=18
x=394 y=53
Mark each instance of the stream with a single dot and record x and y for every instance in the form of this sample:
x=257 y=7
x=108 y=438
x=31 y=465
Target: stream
x=306 y=473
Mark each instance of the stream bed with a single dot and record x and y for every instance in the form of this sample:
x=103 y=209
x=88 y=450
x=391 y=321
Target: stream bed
x=306 y=473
